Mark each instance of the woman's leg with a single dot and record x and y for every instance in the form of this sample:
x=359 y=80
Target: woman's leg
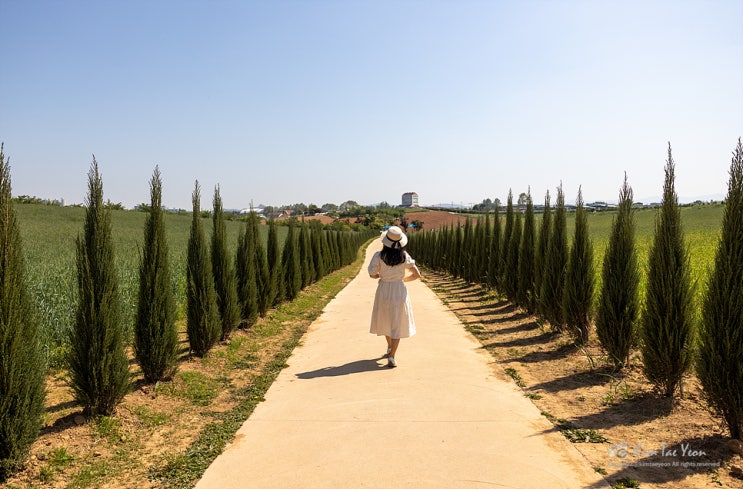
x=394 y=343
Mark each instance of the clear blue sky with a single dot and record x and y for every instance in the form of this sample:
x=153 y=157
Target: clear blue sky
x=281 y=102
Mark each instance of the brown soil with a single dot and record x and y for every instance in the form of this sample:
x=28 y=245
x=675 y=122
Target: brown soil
x=577 y=388
x=322 y=219
x=435 y=219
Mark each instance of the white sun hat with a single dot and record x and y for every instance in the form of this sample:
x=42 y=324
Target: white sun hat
x=394 y=238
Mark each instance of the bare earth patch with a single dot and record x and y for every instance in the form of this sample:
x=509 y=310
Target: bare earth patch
x=623 y=428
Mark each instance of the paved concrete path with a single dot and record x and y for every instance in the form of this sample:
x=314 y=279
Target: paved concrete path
x=337 y=417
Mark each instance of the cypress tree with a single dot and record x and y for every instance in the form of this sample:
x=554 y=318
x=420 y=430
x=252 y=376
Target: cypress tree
x=317 y=252
x=526 y=258
x=225 y=282
x=457 y=255
x=21 y=360
x=290 y=259
x=468 y=250
x=98 y=365
x=155 y=333
x=337 y=247
x=553 y=280
x=202 y=322
x=263 y=277
x=720 y=364
x=579 y=279
x=507 y=232
x=245 y=272
x=667 y=325
x=540 y=255
x=276 y=274
x=305 y=254
x=485 y=247
x=494 y=255
x=619 y=302
x=512 y=261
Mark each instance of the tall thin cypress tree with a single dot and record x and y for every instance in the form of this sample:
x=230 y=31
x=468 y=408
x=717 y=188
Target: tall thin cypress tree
x=457 y=256
x=21 y=360
x=99 y=367
x=202 y=321
x=553 y=280
x=225 y=282
x=720 y=364
x=317 y=255
x=619 y=303
x=305 y=254
x=155 y=333
x=579 y=279
x=263 y=276
x=275 y=270
x=526 y=258
x=540 y=256
x=245 y=271
x=468 y=250
x=290 y=259
x=512 y=261
x=495 y=247
x=486 y=236
x=507 y=231
x=667 y=323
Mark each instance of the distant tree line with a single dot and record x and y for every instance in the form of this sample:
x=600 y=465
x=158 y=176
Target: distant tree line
x=539 y=272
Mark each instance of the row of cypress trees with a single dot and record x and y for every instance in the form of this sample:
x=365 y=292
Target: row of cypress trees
x=542 y=274
x=223 y=292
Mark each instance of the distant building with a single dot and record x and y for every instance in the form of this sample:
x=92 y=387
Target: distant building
x=410 y=199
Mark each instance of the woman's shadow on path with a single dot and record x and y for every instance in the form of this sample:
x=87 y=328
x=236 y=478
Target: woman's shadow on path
x=347 y=369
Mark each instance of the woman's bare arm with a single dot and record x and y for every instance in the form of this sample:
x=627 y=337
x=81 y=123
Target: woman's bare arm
x=415 y=274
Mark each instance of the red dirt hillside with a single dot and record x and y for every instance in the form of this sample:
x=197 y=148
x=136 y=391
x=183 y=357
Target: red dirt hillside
x=435 y=219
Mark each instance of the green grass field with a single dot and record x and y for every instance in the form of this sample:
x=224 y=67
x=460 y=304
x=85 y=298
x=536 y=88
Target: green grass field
x=702 y=226
x=49 y=234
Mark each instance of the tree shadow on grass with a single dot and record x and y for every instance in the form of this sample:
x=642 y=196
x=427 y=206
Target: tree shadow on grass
x=517 y=316
x=545 y=356
x=662 y=465
x=530 y=341
x=628 y=412
x=493 y=308
x=519 y=328
x=62 y=423
x=347 y=369
x=575 y=381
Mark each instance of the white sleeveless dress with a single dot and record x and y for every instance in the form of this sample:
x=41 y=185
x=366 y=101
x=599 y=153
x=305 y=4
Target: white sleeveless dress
x=392 y=314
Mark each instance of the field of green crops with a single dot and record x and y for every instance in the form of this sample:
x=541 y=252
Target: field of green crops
x=702 y=226
x=49 y=234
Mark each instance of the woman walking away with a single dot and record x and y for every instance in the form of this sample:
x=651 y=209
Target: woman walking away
x=392 y=315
